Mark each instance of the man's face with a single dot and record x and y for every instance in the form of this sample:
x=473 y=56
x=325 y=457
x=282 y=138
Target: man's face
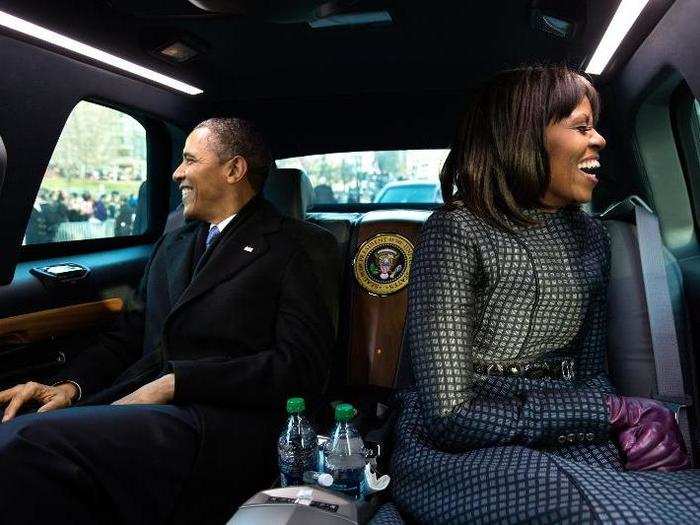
x=202 y=178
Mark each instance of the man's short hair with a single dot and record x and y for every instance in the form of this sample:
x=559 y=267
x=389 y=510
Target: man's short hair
x=234 y=136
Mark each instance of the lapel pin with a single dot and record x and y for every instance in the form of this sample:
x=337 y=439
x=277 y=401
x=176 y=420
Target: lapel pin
x=248 y=249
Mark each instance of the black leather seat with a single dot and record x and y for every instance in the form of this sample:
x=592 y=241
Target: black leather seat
x=292 y=194
x=3 y=161
x=630 y=357
x=631 y=361
x=290 y=190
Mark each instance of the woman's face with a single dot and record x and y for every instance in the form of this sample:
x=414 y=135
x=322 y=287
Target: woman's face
x=572 y=145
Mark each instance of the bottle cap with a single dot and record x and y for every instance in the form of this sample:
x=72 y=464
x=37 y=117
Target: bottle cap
x=325 y=480
x=295 y=405
x=344 y=412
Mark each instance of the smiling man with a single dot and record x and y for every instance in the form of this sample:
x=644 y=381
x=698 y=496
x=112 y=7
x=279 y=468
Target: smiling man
x=180 y=403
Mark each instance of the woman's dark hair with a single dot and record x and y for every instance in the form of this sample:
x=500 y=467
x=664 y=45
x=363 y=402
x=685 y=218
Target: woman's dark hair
x=498 y=165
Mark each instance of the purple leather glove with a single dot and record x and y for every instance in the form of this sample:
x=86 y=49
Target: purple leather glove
x=647 y=433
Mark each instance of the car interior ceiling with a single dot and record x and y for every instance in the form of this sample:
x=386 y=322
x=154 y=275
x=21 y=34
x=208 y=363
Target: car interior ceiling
x=324 y=91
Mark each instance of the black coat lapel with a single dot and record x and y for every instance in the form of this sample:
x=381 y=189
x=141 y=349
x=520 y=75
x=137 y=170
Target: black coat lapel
x=180 y=253
x=242 y=242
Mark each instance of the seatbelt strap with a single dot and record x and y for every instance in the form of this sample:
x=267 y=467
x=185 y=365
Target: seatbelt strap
x=664 y=339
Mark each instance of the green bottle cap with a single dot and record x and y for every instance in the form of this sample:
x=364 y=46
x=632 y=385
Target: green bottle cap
x=295 y=405
x=344 y=412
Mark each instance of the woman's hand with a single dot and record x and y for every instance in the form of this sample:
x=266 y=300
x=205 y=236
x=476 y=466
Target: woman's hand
x=647 y=433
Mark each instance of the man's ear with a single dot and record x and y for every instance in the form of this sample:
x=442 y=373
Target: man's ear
x=236 y=169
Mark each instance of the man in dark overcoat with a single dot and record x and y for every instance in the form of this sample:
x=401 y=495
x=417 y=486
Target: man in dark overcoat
x=176 y=410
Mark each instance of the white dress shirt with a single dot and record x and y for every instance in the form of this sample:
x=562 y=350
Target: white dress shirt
x=221 y=225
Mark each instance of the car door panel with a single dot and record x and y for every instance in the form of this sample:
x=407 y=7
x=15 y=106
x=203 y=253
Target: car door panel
x=42 y=325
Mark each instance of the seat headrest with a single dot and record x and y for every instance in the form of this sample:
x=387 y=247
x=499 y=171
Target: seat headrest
x=290 y=190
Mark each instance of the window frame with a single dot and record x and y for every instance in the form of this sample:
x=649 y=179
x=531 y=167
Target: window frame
x=158 y=157
x=686 y=131
x=362 y=207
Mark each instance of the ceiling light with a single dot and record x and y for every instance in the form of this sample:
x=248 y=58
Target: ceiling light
x=56 y=39
x=352 y=19
x=177 y=52
x=627 y=13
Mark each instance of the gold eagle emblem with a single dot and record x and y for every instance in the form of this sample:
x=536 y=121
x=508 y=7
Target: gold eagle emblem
x=382 y=263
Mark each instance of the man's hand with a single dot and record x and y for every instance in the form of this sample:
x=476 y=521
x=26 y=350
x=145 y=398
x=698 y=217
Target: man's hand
x=158 y=392
x=49 y=397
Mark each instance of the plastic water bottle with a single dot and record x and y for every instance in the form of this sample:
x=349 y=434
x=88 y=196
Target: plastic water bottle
x=296 y=445
x=318 y=478
x=344 y=454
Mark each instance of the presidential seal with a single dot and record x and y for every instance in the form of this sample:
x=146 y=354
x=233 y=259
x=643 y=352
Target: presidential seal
x=382 y=263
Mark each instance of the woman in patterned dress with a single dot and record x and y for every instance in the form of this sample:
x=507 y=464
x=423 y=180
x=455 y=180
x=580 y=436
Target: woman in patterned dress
x=512 y=418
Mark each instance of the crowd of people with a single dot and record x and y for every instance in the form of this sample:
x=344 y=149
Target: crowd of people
x=55 y=207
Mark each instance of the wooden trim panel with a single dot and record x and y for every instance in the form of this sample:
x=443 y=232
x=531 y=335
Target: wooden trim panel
x=377 y=322
x=45 y=324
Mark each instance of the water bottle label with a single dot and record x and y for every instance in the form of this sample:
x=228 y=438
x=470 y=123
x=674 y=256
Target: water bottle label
x=346 y=480
x=293 y=462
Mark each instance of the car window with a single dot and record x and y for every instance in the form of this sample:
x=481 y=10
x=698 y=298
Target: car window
x=94 y=180
x=410 y=193
x=372 y=176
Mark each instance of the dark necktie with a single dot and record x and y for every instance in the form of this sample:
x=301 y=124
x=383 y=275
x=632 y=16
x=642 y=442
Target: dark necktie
x=212 y=236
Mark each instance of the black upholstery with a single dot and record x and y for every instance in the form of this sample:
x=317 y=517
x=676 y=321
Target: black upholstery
x=630 y=357
x=341 y=226
x=3 y=161
x=322 y=249
x=290 y=190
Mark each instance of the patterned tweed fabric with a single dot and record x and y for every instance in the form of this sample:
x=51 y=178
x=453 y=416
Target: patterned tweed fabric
x=489 y=449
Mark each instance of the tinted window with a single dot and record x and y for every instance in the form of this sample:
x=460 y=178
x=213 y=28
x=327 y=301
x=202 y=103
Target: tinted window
x=366 y=176
x=410 y=193
x=96 y=175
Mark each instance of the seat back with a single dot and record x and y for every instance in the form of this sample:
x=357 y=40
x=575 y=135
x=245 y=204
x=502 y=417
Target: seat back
x=3 y=161
x=290 y=190
x=630 y=356
x=292 y=193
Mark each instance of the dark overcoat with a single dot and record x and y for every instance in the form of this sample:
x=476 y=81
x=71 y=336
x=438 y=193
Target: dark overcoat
x=240 y=326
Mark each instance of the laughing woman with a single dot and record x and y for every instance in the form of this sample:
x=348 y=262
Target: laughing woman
x=512 y=417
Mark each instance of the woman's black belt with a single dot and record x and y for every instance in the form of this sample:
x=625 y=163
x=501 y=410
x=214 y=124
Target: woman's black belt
x=551 y=369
